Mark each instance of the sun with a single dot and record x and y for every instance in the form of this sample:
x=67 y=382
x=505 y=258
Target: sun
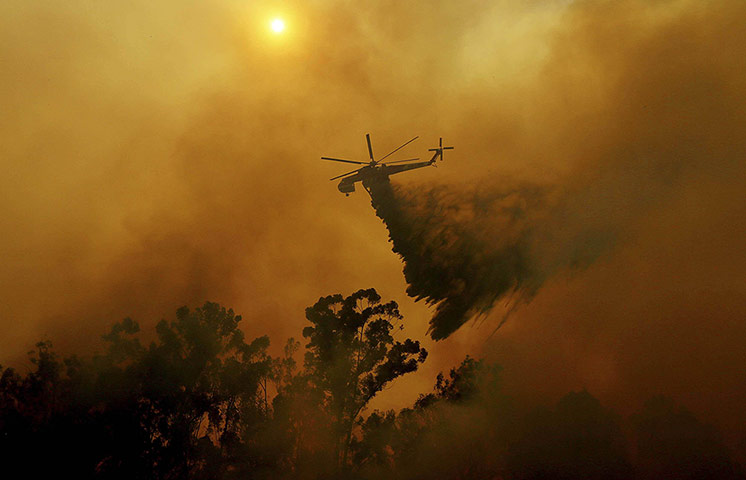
x=277 y=25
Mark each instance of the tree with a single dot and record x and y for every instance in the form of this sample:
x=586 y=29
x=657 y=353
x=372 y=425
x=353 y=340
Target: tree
x=456 y=431
x=673 y=444
x=351 y=355
x=44 y=426
x=186 y=406
x=200 y=391
x=465 y=382
x=579 y=438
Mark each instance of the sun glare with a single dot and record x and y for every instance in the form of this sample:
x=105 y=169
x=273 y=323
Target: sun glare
x=277 y=25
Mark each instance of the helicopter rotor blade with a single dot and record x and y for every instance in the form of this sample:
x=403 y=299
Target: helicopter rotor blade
x=370 y=148
x=439 y=149
x=344 y=174
x=343 y=160
x=399 y=148
x=400 y=161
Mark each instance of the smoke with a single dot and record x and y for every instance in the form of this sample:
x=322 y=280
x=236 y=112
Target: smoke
x=163 y=154
x=152 y=161
x=621 y=117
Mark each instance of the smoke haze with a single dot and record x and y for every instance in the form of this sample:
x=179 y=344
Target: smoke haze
x=156 y=155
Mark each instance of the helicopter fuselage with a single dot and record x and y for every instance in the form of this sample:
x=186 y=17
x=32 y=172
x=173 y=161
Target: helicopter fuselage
x=376 y=173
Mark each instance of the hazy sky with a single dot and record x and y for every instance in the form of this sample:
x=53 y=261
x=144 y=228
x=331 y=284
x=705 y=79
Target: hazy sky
x=156 y=154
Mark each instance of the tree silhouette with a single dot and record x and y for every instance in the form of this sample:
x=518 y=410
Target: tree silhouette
x=44 y=427
x=453 y=432
x=465 y=382
x=200 y=388
x=200 y=402
x=579 y=438
x=673 y=444
x=186 y=406
x=351 y=355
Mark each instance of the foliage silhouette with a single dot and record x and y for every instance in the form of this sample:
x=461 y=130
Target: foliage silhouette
x=183 y=406
x=452 y=432
x=351 y=355
x=201 y=402
x=579 y=438
x=672 y=443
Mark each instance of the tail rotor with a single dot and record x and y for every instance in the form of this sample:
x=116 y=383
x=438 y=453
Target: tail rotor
x=438 y=150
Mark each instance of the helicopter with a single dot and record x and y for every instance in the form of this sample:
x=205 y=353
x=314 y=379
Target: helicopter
x=378 y=170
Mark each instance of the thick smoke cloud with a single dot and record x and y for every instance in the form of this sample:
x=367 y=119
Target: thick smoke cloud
x=633 y=102
x=162 y=154
x=159 y=156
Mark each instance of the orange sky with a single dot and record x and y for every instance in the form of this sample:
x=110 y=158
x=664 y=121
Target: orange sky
x=157 y=154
